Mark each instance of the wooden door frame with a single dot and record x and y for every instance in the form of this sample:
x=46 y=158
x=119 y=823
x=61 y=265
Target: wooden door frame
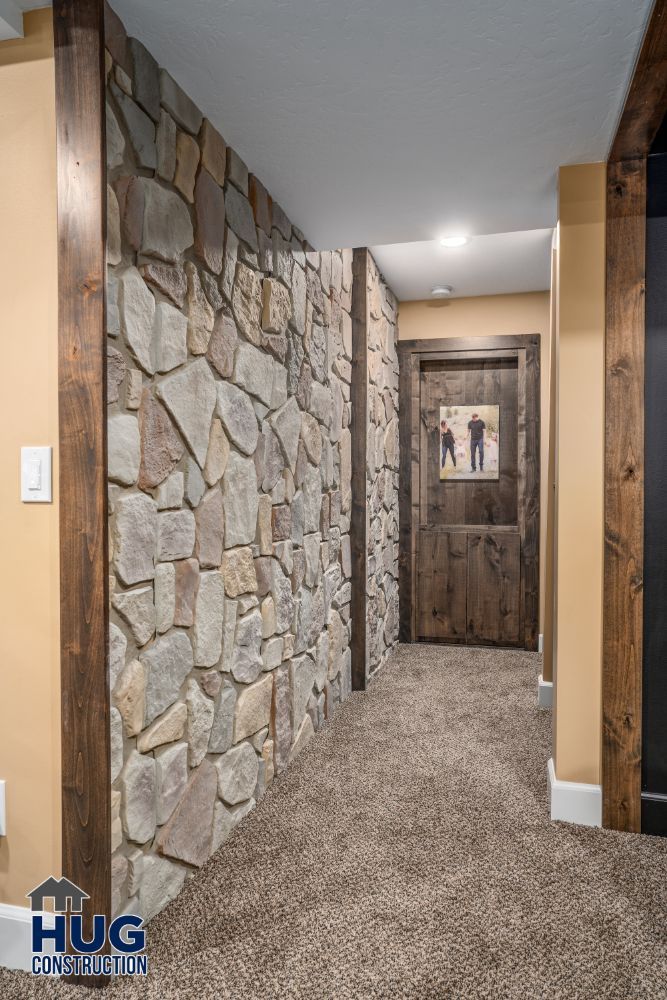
x=644 y=110
x=411 y=354
x=84 y=564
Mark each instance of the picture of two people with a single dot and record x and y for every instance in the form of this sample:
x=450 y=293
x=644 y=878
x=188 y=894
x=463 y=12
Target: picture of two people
x=469 y=442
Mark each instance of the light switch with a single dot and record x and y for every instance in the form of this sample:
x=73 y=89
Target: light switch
x=36 y=475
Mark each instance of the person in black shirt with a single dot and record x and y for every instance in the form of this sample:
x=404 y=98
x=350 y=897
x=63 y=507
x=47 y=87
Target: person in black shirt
x=446 y=443
x=476 y=428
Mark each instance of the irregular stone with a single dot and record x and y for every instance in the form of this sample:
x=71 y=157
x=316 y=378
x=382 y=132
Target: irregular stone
x=115 y=140
x=318 y=352
x=226 y=820
x=312 y=438
x=268 y=612
x=321 y=403
x=240 y=501
x=190 y=397
x=209 y=520
x=145 y=78
x=281 y=719
x=246 y=300
x=113 y=228
x=263 y=537
x=166 y=147
x=170 y=337
x=175 y=535
x=167 y=230
x=211 y=682
x=134 y=538
x=165 y=596
x=217 y=455
x=167 y=729
x=137 y=314
x=279 y=392
x=302 y=678
x=223 y=343
x=281 y=523
x=124 y=450
x=229 y=263
x=272 y=461
x=171 y=766
x=178 y=104
x=209 y=221
x=200 y=720
x=223 y=720
x=186 y=586
x=137 y=785
x=140 y=128
x=299 y=300
x=238 y=570
x=136 y=607
x=277 y=306
x=116 y=728
x=312 y=498
x=247 y=662
x=281 y=589
x=237 y=171
x=253 y=708
x=261 y=203
x=238 y=417
x=213 y=151
x=168 y=662
x=195 y=487
x=200 y=313
x=187 y=161
x=188 y=833
x=170 y=493
x=161 y=447
x=161 y=882
x=253 y=371
x=211 y=289
x=167 y=278
x=237 y=774
x=304 y=735
x=345 y=470
x=209 y=615
x=286 y=422
x=130 y=697
x=272 y=653
x=112 y=310
x=228 y=635
x=240 y=217
x=117 y=650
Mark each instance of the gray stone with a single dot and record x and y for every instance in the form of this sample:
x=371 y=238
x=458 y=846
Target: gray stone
x=168 y=728
x=145 y=78
x=113 y=228
x=170 y=493
x=302 y=679
x=172 y=775
x=253 y=371
x=178 y=104
x=312 y=438
x=228 y=634
x=134 y=538
x=318 y=352
x=136 y=607
x=209 y=520
x=237 y=774
x=312 y=498
x=116 y=726
x=286 y=422
x=171 y=328
x=190 y=396
x=140 y=129
x=253 y=708
x=210 y=221
x=272 y=653
x=276 y=306
x=138 y=808
x=201 y=315
x=247 y=663
x=188 y=834
x=222 y=344
x=240 y=501
x=237 y=171
x=282 y=595
x=112 y=313
x=208 y=619
x=217 y=454
x=238 y=417
x=186 y=588
x=175 y=535
x=213 y=151
x=137 y=315
x=321 y=403
x=115 y=140
x=129 y=697
x=165 y=596
x=161 y=882
x=168 y=662
x=222 y=731
x=124 y=448
x=167 y=228
x=229 y=263
x=279 y=393
x=281 y=719
x=240 y=217
x=271 y=464
x=161 y=447
x=200 y=720
x=166 y=147
x=167 y=278
x=210 y=285
x=117 y=650
x=311 y=548
x=298 y=300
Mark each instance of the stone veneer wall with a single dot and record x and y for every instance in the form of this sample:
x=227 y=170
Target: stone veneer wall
x=382 y=470
x=229 y=462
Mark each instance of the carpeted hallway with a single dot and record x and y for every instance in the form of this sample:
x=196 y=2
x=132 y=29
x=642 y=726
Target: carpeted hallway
x=420 y=863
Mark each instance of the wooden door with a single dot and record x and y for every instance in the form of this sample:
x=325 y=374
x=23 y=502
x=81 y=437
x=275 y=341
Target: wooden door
x=442 y=585
x=494 y=588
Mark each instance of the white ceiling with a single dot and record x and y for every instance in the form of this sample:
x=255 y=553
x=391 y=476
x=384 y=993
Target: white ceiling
x=11 y=16
x=381 y=121
x=487 y=265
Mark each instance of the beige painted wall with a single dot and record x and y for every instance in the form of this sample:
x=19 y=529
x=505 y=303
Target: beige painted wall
x=29 y=596
x=580 y=472
x=487 y=316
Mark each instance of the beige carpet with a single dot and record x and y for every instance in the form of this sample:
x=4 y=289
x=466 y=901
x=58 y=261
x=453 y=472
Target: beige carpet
x=408 y=854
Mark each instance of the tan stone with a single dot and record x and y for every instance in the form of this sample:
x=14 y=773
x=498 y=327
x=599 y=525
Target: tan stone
x=186 y=587
x=209 y=520
x=253 y=708
x=161 y=447
x=200 y=313
x=264 y=536
x=247 y=304
x=238 y=570
x=276 y=306
x=222 y=344
x=187 y=161
x=187 y=835
x=268 y=610
x=217 y=454
x=267 y=757
x=133 y=389
x=213 y=151
x=113 y=228
x=130 y=697
x=167 y=729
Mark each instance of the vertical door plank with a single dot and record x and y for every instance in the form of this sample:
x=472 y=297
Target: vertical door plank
x=359 y=423
x=441 y=586
x=494 y=586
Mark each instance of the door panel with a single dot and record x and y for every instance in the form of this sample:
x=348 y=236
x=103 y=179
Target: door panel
x=441 y=586
x=494 y=588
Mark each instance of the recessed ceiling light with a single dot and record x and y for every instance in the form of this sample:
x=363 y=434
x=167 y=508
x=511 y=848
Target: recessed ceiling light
x=453 y=241
x=441 y=291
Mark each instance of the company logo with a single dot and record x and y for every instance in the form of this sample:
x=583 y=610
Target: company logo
x=125 y=936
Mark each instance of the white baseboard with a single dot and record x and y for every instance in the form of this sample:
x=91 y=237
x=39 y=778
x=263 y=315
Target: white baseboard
x=540 y=643
x=545 y=693
x=16 y=935
x=573 y=801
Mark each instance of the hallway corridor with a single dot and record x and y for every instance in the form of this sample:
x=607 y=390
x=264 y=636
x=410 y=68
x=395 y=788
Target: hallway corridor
x=419 y=864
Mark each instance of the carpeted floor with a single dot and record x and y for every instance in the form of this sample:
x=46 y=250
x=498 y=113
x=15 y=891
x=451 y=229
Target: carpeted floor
x=408 y=854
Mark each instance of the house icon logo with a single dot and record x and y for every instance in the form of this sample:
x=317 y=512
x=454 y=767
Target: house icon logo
x=65 y=895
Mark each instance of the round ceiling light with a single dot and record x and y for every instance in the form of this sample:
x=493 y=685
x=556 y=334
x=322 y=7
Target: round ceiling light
x=441 y=291
x=453 y=241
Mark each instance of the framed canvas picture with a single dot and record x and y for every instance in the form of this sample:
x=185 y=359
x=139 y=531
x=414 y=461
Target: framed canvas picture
x=469 y=442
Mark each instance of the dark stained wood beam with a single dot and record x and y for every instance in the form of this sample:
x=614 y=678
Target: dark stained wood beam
x=80 y=118
x=359 y=423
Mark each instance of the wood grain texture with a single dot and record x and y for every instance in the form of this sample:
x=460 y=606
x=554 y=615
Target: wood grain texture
x=359 y=423
x=405 y=500
x=529 y=491
x=494 y=589
x=624 y=496
x=646 y=102
x=442 y=585
x=86 y=789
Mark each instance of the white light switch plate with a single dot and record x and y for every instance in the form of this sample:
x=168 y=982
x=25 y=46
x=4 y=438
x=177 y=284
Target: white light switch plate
x=3 y=815
x=36 y=475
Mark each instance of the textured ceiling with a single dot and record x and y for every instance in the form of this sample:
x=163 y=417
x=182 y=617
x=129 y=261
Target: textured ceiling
x=381 y=121
x=488 y=265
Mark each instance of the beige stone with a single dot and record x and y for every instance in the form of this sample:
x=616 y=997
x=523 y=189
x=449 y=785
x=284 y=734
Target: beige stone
x=201 y=315
x=238 y=571
x=186 y=587
x=276 y=306
x=253 y=708
x=130 y=697
x=267 y=757
x=217 y=454
x=264 y=537
x=187 y=160
x=167 y=729
x=268 y=610
x=209 y=519
x=213 y=151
